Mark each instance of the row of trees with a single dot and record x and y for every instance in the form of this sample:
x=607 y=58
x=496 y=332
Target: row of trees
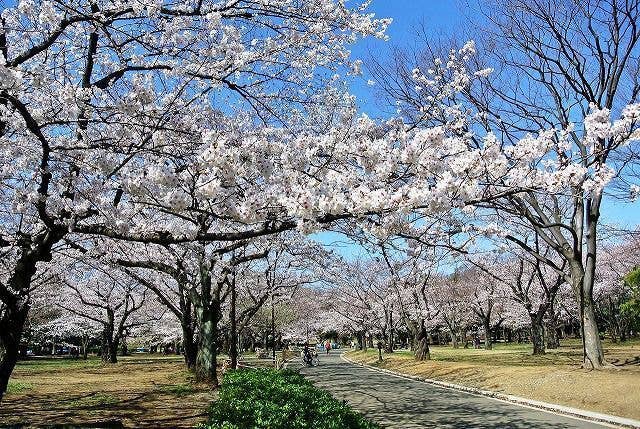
x=175 y=142
x=163 y=294
x=420 y=296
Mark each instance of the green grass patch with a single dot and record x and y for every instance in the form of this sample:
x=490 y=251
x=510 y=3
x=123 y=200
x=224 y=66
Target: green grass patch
x=505 y=354
x=270 y=399
x=18 y=387
x=182 y=389
x=97 y=400
x=36 y=366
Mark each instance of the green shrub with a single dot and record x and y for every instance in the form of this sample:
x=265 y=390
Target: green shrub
x=269 y=399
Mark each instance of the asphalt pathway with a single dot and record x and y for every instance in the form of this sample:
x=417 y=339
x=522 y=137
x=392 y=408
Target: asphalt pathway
x=396 y=402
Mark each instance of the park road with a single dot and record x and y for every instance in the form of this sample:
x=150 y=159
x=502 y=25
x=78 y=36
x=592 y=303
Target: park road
x=396 y=402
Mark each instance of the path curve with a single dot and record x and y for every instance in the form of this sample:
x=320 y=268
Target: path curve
x=397 y=402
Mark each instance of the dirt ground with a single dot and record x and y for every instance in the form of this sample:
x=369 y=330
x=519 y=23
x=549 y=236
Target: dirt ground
x=140 y=391
x=555 y=377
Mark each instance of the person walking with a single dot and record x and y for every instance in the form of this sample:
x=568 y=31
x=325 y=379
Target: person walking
x=327 y=346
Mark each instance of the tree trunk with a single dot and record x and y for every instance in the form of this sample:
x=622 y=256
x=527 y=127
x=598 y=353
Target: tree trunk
x=593 y=352
x=109 y=343
x=85 y=343
x=189 y=345
x=389 y=348
x=553 y=341
x=125 y=347
x=233 y=334
x=537 y=335
x=11 y=328
x=422 y=344
x=454 y=340
x=582 y=283
x=360 y=340
x=206 y=359
x=487 y=333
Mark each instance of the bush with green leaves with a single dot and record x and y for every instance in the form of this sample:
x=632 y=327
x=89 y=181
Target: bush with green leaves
x=631 y=307
x=270 y=399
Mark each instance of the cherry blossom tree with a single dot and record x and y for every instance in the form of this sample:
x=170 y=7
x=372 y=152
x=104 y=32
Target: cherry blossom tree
x=96 y=96
x=531 y=284
x=611 y=288
x=552 y=122
x=413 y=274
x=107 y=297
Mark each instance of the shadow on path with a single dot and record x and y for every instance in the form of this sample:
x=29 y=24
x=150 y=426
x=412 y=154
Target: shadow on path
x=396 y=402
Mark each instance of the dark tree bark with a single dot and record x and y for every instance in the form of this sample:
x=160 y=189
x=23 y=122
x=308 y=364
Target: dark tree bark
x=85 y=344
x=486 y=323
x=537 y=334
x=11 y=328
x=206 y=359
x=110 y=342
x=233 y=350
x=17 y=301
x=553 y=340
x=189 y=345
x=422 y=351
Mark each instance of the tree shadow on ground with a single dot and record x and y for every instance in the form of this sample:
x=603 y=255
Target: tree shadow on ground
x=396 y=402
x=143 y=409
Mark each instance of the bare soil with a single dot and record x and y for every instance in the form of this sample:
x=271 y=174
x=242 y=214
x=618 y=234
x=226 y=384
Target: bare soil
x=140 y=391
x=555 y=377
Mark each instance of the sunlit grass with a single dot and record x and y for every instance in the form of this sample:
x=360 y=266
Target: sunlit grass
x=183 y=389
x=18 y=387
x=569 y=353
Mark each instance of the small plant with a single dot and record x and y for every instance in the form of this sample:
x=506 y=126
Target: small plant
x=18 y=386
x=271 y=399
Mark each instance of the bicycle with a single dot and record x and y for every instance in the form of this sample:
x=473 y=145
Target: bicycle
x=311 y=359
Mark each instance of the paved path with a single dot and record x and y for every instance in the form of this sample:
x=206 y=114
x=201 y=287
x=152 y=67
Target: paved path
x=397 y=402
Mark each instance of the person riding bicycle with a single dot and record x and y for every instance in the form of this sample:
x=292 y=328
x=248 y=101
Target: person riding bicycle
x=306 y=354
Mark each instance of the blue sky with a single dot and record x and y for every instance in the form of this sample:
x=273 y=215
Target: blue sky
x=439 y=17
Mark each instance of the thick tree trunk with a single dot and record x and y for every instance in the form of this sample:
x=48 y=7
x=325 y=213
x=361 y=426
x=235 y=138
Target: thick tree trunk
x=553 y=340
x=537 y=335
x=109 y=344
x=206 y=359
x=360 y=340
x=593 y=352
x=189 y=345
x=11 y=328
x=582 y=283
x=422 y=351
x=17 y=300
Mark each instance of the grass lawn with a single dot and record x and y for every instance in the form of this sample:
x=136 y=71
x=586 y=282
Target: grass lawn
x=139 y=391
x=555 y=377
